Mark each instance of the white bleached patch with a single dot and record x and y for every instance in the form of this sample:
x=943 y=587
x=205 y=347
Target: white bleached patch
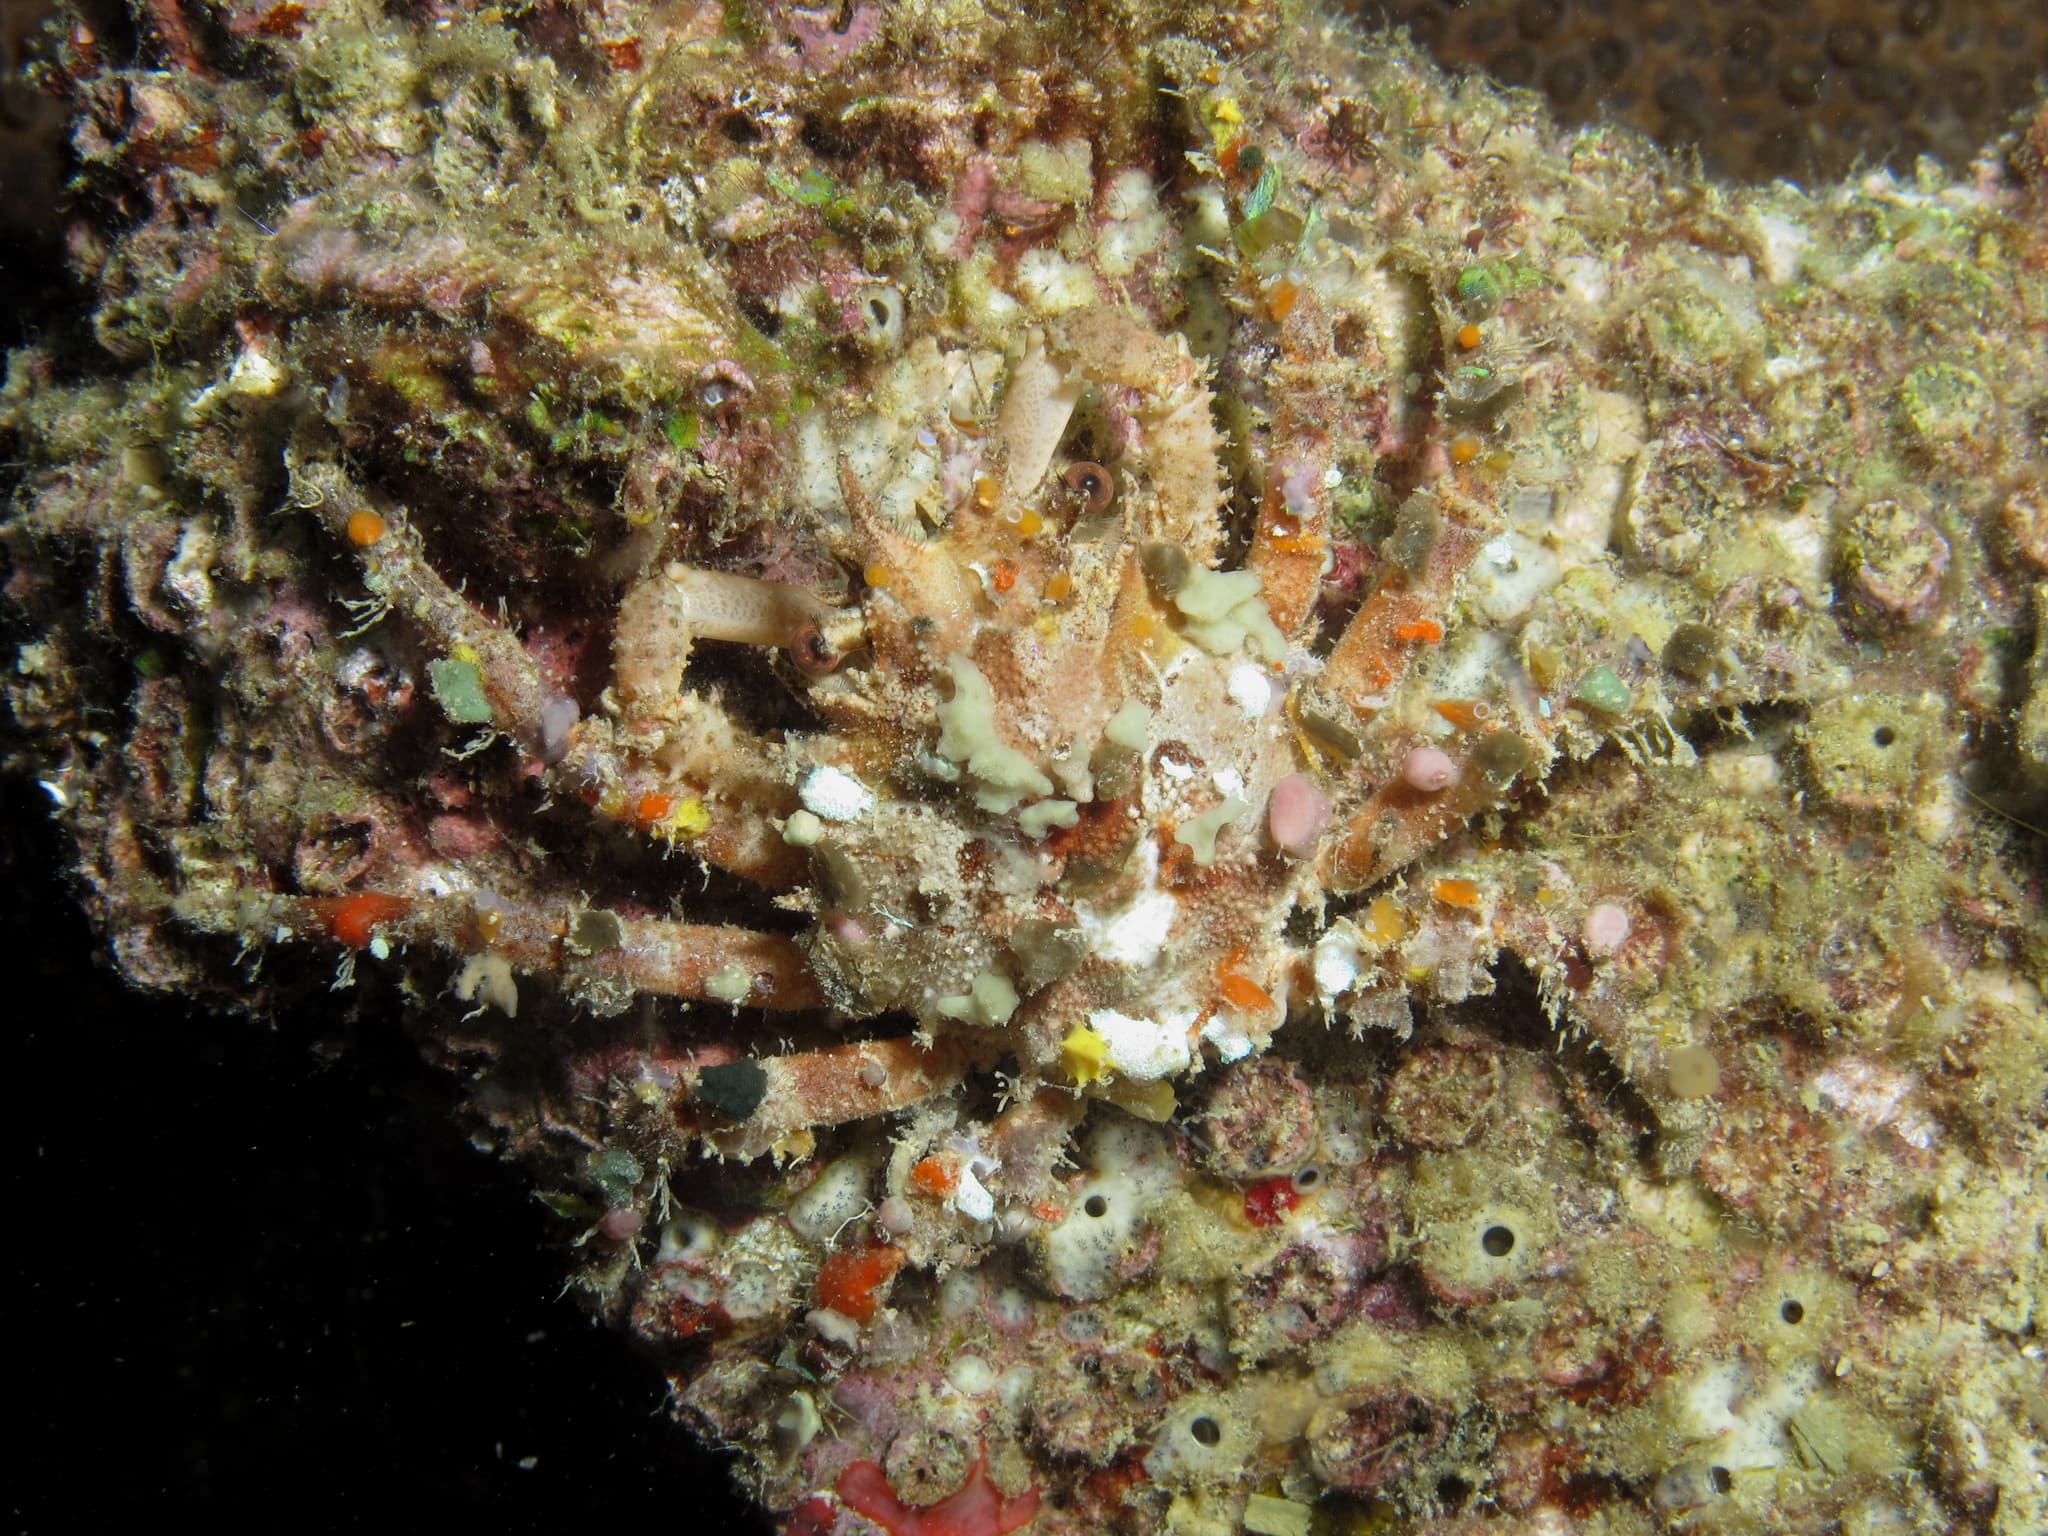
x=1249 y=690
x=832 y=794
x=971 y=1200
x=1147 y=1049
x=1337 y=964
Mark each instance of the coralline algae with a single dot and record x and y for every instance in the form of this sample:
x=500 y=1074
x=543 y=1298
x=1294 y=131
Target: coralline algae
x=1172 y=778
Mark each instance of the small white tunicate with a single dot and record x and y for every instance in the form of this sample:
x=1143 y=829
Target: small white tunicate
x=971 y=1200
x=1337 y=964
x=836 y=795
x=973 y=1375
x=1606 y=928
x=802 y=830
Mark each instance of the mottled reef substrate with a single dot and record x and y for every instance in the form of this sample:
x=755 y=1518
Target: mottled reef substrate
x=1172 y=778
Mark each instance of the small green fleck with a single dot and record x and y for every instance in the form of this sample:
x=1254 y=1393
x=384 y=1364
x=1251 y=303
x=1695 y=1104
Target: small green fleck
x=1260 y=198
x=734 y=1089
x=151 y=663
x=681 y=430
x=617 y=1173
x=1600 y=689
x=459 y=690
x=537 y=415
x=1478 y=287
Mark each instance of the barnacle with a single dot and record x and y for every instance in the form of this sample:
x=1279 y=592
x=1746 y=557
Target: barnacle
x=1236 y=781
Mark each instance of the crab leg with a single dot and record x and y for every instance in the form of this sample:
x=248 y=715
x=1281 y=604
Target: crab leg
x=1399 y=822
x=1427 y=554
x=1291 y=538
x=801 y=1092
x=397 y=572
x=654 y=955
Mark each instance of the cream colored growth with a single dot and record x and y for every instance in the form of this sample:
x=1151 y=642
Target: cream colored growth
x=668 y=612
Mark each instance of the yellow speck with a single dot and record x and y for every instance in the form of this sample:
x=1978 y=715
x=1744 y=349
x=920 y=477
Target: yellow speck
x=1085 y=1055
x=463 y=652
x=875 y=574
x=1029 y=523
x=1059 y=587
x=690 y=818
x=1227 y=111
x=986 y=488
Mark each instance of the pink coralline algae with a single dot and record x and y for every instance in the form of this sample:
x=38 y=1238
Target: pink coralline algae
x=1169 y=778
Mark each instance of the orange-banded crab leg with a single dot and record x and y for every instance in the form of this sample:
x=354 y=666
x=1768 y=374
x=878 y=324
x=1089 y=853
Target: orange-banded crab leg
x=654 y=955
x=1291 y=539
x=750 y=1107
x=1435 y=537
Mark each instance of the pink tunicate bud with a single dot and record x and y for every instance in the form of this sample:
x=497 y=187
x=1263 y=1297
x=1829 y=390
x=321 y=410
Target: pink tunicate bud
x=1606 y=928
x=619 y=1224
x=1429 y=769
x=1296 y=815
x=844 y=927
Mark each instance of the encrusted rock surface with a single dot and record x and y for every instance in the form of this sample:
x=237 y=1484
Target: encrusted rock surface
x=1173 y=779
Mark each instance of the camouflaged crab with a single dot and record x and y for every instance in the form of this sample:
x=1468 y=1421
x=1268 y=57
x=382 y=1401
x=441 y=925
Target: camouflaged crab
x=875 y=622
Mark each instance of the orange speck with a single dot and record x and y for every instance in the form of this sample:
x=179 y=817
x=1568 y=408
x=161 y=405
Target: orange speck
x=1469 y=336
x=1281 y=299
x=875 y=574
x=848 y=1280
x=985 y=489
x=1465 y=714
x=590 y=794
x=931 y=1177
x=1384 y=921
x=1428 y=631
x=353 y=920
x=287 y=21
x=1029 y=523
x=1059 y=587
x=1003 y=575
x=1228 y=159
x=1242 y=993
x=364 y=528
x=1464 y=448
x=1457 y=893
x=624 y=54
x=654 y=807
x=1045 y=1210
x=967 y=426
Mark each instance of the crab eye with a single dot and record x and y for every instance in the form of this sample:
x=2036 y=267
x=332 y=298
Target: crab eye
x=1091 y=482
x=811 y=651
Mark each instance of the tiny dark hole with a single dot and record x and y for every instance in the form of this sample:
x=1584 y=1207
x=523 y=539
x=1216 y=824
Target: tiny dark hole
x=1720 y=1479
x=1205 y=1430
x=1308 y=1178
x=634 y=213
x=1792 y=1312
x=1884 y=735
x=1095 y=1205
x=1497 y=1241
x=878 y=312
